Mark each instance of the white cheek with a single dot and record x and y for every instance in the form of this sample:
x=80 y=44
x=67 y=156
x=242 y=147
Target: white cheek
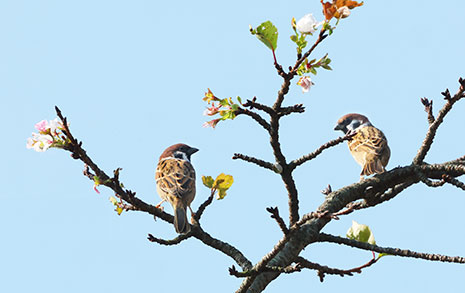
x=181 y=155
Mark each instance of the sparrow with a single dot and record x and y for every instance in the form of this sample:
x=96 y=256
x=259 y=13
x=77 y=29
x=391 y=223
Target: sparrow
x=175 y=177
x=368 y=146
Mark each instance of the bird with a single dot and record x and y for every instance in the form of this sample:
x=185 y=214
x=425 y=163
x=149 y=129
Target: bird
x=368 y=146
x=175 y=178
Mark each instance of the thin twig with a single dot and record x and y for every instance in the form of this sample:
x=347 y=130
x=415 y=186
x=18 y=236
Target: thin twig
x=428 y=109
x=174 y=241
x=256 y=161
x=275 y=215
x=428 y=141
x=253 y=104
x=298 y=108
x=323 y=237
x=314 y=154
x=321 y=37
x=254 y=116
x=323 y=270
x=454 y=182
x=203 y=206
x=287 y=270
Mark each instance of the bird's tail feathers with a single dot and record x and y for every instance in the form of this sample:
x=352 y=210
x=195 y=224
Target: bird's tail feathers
x=180 y=219
x=374 y=166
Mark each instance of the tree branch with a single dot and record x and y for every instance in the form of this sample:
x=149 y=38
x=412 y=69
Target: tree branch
x=254 y=116
x=323 y=270
x=261 y=163
x=127 y=195
x=253 y=104
x=174 y=241
x=428 y=141
x=275 y=215
x=387 y=183
x=394 y=251
x=318 y=151
x=203 y=206
x=298 y=108
x=428 y=109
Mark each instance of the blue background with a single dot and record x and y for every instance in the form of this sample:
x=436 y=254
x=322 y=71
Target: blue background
x=130 y=77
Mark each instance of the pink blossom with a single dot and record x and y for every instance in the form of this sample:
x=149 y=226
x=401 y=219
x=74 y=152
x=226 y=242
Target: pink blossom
x=212 y=110
x=42 y=126
x=305 y=82
x=211 y=123
x=55 y=125
x=39 y=142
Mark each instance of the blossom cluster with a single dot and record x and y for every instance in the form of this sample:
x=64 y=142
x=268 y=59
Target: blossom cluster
x=226 y=108
x=50 y=135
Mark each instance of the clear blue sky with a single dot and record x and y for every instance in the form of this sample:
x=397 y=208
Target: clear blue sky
x=130 y=76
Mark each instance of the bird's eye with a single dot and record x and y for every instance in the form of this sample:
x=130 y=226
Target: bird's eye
x=178 y=155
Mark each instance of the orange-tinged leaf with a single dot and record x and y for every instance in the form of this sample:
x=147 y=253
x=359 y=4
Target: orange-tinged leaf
x=328 y=9
x=349 y=3
x=209 y=96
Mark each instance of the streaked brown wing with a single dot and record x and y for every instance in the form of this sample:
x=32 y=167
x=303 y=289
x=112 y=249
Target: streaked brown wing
x=369 y=140
x=175 y=177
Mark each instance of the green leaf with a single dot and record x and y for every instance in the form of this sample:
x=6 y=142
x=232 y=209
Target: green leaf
x=224 y=102
x=294 y=38
x=267 y=33
x=228 y=114
x=327 y=67
x=239 y=100
x=207 y=181
x=361 y=233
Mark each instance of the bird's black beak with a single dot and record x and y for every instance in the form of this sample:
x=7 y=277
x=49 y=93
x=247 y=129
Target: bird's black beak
x=192 y=151
x=338 y=127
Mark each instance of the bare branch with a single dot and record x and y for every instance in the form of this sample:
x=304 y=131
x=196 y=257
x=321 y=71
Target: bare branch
x=256 y=161
x=323 y=270
x=428 y=109
x=428 y=141
x=298 y=108
x=453 y=181
x=174 y=241
x=327 y=190
x=319 y=150
x=203 y=206
x=253 y=104
x=287 y=270
x=275 y=215
x=394 y=251
x=254 y=116
x=222 y=246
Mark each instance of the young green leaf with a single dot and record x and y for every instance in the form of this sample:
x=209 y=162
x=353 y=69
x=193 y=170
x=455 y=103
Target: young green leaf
x=267 y=33
x=207 y=181
x=361 y=233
